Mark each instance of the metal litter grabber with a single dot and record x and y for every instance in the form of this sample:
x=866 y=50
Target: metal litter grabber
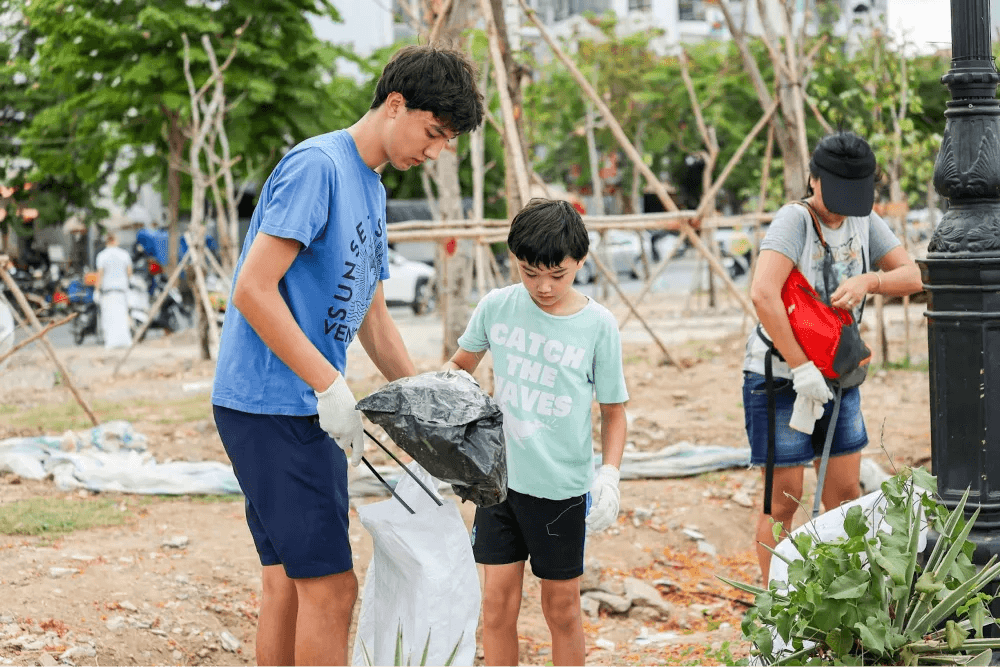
x=830 y=430
x=405 y=469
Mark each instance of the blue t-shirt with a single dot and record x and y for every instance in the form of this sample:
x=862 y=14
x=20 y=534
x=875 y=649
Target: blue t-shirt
x=323 y=195
x=547 y=369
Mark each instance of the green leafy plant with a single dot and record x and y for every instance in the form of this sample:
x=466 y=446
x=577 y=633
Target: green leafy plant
x=864 y=599
x=398 y=657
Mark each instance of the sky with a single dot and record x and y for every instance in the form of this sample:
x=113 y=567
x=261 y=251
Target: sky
x=924 y=23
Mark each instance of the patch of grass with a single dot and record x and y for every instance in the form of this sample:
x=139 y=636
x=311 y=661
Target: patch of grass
x=630 y=359
x=204 y=499
x=68 y=415
x=44 y=516
x=906 y=364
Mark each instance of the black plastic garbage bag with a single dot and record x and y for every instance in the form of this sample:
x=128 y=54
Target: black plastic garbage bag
x=450 y=426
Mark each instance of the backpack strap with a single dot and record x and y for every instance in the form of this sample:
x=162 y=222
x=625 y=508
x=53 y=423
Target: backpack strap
x=772 y=351
x=830 y=430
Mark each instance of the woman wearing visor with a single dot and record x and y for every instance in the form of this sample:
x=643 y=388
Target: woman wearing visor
x=867 y=259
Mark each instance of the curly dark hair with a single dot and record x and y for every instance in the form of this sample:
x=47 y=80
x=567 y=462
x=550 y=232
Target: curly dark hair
x=547 y=231
x=441 y=81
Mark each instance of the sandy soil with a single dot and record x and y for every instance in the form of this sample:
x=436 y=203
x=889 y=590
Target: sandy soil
x=123 y=595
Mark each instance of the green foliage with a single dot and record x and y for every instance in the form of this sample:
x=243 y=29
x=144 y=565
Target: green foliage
x=867 y=599
x=398 y=655
x=99 y=81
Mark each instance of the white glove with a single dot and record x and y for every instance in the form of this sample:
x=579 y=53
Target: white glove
x=808 y=381
x=339 y=416
x=805 y=412
x=605 y=499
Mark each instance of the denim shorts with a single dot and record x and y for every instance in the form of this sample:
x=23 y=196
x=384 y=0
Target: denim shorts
x=794 y=448
x=294 y=478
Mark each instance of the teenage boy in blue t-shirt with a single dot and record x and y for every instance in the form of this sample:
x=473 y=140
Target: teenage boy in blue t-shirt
x=308 y=280
x=553 y=350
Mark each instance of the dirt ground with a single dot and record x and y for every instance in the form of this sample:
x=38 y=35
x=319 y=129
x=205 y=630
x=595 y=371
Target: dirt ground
x=133 y=593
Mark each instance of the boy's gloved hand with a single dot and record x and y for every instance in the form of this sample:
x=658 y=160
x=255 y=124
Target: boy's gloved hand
x=805 y=412
x=605 y=499
x=808 y=381
x=339 y=416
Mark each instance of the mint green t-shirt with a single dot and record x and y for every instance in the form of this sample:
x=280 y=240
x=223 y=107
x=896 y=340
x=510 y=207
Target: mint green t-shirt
x=547 y=370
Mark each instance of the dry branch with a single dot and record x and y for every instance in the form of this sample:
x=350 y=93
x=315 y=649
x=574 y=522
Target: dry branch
x=35 y=336
x=46 y=345
x=637 y=160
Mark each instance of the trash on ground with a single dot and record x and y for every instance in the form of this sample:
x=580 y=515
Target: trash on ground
x=111 y=457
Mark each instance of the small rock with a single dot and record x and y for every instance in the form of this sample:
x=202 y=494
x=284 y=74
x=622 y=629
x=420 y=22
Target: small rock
x=6 y=618
x=615 y=603
x=647 y=614
x=641 y=594
x=590 y=606
x=84 y=557
x=604 y=644
x=229 y=642
x=693 y=534
x=177 y=655
x=591 y=578
x=77 y=652
x=742 y=499
x=203 y=653
x=128 y=606
x=115 y=623
x=56 y=572
x=46 y=660
x=176 y=542
x=706 y=547
x=680 y=395
x=642 y=513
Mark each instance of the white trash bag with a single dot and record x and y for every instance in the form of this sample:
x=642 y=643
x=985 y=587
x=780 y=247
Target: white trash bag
x=422 y=581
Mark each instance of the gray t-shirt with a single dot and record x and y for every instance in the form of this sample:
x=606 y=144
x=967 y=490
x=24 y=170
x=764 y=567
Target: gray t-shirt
x=857 y=245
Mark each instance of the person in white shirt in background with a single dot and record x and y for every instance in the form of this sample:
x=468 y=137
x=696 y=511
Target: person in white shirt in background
x=114 y=269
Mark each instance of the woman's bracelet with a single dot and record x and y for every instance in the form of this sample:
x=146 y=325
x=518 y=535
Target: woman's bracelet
x=878 y=288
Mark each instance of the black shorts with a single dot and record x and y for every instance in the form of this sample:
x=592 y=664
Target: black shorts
x=551 y=532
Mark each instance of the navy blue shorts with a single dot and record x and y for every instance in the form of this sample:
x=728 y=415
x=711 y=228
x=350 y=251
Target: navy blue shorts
x=791 y=447
x=551 y=532
x=294 y=478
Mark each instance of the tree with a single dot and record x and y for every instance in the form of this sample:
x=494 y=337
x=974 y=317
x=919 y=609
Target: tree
x=115 y=69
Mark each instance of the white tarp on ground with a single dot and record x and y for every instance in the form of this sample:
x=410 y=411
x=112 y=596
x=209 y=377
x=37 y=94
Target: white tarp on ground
x=111 y=457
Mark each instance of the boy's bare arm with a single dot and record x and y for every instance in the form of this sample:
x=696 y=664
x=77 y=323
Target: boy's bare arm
x=612 y=433
x=257 y=298
x=463 y=360
x=381 y=339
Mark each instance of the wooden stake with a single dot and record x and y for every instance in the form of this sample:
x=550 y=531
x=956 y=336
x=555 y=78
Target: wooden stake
x=154 y=310
x=614 y=283
x=506 y=106
x=637 y=160
x=36 y=336
x=46 y=345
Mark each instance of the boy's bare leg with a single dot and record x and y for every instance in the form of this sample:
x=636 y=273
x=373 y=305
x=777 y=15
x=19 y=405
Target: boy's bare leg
x=276 y=619
x=561 y=608
x=501 y=606
x=324 y=618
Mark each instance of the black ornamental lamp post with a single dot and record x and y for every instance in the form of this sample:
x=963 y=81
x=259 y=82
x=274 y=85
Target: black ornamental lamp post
x=962 y=277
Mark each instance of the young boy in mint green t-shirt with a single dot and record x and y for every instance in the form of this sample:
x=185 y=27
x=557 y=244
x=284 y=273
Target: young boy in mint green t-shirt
x=553 y=351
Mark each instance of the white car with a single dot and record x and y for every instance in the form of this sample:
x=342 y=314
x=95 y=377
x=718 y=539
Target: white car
x=622 y=254
x=410 y=284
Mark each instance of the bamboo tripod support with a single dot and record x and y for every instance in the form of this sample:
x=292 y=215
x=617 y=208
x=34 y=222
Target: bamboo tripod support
x=43 y=339
x=35 y=336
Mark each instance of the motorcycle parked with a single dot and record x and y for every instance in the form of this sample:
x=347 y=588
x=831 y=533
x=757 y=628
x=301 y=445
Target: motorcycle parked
x=80 y=294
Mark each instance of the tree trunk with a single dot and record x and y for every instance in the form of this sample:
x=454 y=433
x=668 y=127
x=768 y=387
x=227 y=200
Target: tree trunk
x=514 y=203
x=175 y=141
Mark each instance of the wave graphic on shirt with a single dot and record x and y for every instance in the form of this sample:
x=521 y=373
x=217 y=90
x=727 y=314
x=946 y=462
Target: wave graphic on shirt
x=516 y=429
